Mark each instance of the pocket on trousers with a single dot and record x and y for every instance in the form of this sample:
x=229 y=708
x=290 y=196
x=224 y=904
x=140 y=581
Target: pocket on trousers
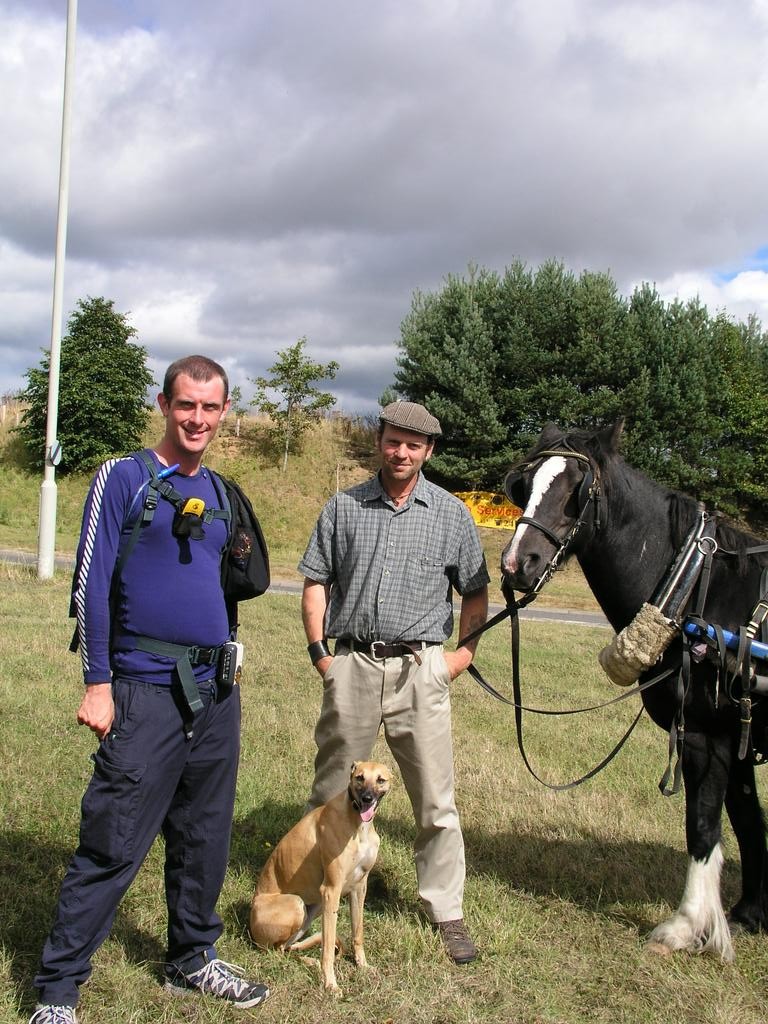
x=443 y=673
x=110 y=806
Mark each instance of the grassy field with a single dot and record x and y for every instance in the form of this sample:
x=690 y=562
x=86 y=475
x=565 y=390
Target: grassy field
x=562 y=888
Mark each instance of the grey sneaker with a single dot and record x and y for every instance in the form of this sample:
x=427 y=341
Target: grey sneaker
x=45 y=1013
x=458 y=945
x=225 y=981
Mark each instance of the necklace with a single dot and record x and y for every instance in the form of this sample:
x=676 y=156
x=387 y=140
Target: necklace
x=399 y=499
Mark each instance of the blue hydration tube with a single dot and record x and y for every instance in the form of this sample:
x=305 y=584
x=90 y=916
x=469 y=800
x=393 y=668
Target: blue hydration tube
x=757 y=649
x=162 y=474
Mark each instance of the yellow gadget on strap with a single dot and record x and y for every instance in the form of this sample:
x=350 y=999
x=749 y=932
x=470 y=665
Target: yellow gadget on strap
x=193 y=507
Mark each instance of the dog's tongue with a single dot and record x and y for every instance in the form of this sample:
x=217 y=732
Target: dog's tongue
x=368 y=814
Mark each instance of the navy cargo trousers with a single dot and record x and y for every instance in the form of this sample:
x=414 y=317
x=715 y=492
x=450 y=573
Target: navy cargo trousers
x=149 y=778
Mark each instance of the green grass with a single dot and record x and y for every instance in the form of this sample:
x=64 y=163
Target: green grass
x=562 y=888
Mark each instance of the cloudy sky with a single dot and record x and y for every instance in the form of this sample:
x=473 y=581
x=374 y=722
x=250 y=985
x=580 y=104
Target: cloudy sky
x=247 y=172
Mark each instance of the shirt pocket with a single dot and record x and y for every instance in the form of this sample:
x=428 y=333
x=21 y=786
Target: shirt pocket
x=427 y=580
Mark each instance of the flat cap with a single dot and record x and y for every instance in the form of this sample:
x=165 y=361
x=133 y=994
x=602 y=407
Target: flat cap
x=411 y=416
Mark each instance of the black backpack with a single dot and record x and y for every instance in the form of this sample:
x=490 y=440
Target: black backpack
x=245 y=562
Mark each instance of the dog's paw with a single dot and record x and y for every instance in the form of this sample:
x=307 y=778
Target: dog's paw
x=310 y=962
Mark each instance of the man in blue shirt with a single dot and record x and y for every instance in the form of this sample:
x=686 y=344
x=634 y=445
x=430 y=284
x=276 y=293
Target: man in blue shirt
x=167 y=760
x=380 y=570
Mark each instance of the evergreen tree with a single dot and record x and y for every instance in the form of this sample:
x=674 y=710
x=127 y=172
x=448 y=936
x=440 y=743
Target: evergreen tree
x=103 y=381
x=455 y=381
x=495 y=357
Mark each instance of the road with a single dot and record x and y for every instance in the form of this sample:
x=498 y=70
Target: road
x=574 y=617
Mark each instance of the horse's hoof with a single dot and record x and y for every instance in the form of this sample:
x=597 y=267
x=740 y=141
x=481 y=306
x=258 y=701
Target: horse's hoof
x=743 y=921
x=737 y=928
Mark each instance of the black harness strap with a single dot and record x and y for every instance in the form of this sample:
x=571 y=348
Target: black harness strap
x=186 y=658
x=674 y=771
x=744 y=670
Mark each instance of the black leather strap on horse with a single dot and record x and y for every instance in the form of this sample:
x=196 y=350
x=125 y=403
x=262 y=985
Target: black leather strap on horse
x=744 y=670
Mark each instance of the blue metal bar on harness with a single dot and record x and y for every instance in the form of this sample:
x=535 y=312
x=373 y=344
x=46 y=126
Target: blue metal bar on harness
x=693 y=629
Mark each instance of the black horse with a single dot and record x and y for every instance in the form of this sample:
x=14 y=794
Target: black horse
x=580 y=497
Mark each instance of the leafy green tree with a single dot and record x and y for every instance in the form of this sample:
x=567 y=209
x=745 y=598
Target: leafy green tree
x=103 y=381
x=236 y=406
x=298 y=403
x=387 y=396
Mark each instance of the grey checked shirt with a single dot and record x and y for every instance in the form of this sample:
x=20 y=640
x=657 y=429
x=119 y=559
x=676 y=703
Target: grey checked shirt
x=392 y=570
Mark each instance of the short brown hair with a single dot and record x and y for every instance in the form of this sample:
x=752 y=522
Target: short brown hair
x=199 y=368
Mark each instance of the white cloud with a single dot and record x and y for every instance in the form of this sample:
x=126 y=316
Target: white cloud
x=743 y=295
x=247 y=174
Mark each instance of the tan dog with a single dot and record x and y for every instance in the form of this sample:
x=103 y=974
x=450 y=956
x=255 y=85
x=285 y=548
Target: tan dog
x=326 y=855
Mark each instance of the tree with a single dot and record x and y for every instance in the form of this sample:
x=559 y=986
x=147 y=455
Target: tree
x=299 y=403
x=102 y=392
x=236 y=406
x=450 y=361
x=496 y=356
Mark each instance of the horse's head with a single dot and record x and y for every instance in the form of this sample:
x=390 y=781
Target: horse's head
x=558 y=486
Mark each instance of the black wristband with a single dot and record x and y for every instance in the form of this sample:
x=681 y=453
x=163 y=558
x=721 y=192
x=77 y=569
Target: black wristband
x=318 y=650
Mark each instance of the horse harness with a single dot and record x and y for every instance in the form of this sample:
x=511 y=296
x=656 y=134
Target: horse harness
x=699 y=568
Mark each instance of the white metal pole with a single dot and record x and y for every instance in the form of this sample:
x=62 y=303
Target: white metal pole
x=47 y=529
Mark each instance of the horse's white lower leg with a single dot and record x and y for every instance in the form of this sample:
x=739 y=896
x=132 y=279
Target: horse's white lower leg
x=700 y=923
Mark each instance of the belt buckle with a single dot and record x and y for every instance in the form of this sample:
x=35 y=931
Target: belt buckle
x=205 y=655
x=374 y=645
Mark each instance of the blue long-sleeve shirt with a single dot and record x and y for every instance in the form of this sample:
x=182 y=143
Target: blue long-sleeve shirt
x=169 y=588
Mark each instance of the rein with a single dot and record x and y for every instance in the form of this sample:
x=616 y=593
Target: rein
x=589 y=493
x=688 y=577
x=511 y=612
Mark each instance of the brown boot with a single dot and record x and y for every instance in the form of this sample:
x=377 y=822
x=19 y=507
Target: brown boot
x=458 y=945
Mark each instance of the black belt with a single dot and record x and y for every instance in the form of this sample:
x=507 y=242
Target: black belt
x=379 y=649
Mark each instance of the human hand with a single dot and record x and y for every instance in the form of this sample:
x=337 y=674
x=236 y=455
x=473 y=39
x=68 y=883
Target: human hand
x=457 y=661
x=323 y=664
x=97 y=709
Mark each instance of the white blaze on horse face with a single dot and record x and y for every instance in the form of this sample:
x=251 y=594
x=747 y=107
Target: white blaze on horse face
x=543 y=478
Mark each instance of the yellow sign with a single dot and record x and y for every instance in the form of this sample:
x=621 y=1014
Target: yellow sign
x=490 y=510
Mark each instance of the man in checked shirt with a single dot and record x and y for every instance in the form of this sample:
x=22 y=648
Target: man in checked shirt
x=380 y=570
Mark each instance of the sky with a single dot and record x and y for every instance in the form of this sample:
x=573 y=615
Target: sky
x=244 y=174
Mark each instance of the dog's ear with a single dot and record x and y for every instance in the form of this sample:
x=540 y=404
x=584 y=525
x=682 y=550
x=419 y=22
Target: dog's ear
x=353 y=768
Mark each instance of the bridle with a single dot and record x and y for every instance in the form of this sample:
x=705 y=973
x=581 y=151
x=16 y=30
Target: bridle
x=589 y=495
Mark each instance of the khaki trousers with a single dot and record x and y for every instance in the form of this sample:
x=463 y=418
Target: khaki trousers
x=413 y=704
